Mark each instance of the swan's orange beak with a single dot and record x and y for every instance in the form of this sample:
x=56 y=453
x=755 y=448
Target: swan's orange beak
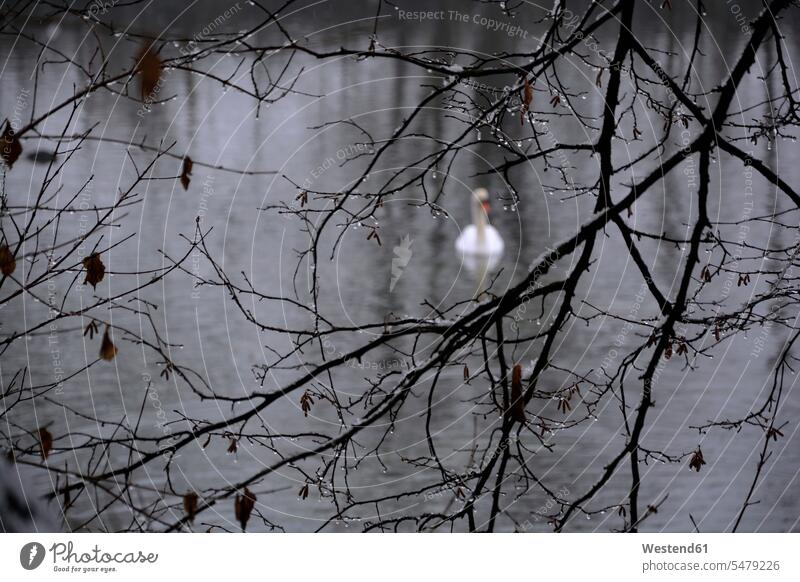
x=485 y=206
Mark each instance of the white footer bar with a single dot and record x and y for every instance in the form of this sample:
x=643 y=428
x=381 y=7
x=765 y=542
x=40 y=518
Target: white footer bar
x=428 y=557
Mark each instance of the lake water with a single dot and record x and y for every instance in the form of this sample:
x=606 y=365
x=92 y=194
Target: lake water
x=291 y=137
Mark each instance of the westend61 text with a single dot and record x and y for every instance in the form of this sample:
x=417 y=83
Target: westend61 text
x=670 y=549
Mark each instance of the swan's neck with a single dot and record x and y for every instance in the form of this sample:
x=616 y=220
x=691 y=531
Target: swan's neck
x=479 y=219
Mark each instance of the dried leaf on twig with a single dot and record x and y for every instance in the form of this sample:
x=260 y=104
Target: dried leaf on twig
x=190 y=505
x=7 y=261
x=107 y=348
x=243 y=507
x=303 y=493
x=186 y=172
x=10 y=148
x=150 y=67
x=697 y=460
x=527 y=99
x=95 y=270
x=306 y=402
x=45 y=442
x=517 y=405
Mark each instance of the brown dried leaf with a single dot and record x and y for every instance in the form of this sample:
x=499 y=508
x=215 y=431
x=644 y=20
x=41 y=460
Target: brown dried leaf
x=190 y=505
x=150 y=67
x=95 y=270
x=306 y=402
x=527 y=99
x=10 y=148
x=697 y=460
x=233 y=446
x=517 y=405
x=186 y=172
x=45 y=442
x=303 y=493
x=107 y=348
x=7 y=261
x=466 y=373
x=243 y=507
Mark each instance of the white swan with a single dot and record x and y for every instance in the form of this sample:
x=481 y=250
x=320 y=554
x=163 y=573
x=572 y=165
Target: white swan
x=479 y=243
